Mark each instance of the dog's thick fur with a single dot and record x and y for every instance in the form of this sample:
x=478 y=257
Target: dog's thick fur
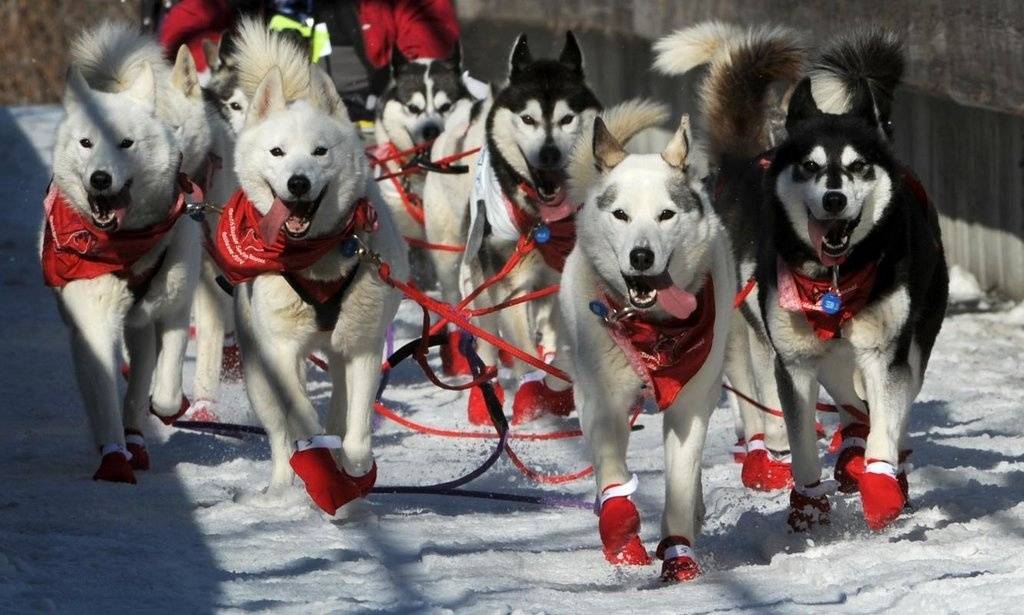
x=625 y=209
x=115 y=86
x=879 y=360
x=296 y=108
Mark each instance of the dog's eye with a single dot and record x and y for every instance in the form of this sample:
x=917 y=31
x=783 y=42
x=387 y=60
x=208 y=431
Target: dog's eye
x=86 y=143
x=810 y=166
x=414 y=109
x=125 y=143
x=666 y=214
x=528 y=120
x=443 y=108
x=567 y=119
x=277 y=152
x=236 y=106
x=621 y=215
x=857 y=166
x=320 y=151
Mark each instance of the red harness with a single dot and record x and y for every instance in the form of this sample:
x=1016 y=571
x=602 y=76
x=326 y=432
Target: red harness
x=559 y=219
x=666 y=354
x=242 y=254
x=387 y=152
x=74 y=249
x=801 y=293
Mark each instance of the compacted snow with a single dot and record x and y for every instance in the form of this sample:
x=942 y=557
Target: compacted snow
x=197 y=535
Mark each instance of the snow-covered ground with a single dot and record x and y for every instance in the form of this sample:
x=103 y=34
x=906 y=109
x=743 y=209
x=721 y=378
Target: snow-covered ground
x=196 y=536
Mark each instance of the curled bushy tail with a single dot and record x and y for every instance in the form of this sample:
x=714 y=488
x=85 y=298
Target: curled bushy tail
x=623 y=121
x=258 y=49
x=867 y=63
x=734 y=95
x=110 y=54
x=686 y=49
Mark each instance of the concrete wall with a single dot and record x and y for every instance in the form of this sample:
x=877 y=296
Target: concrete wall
x=959 y=121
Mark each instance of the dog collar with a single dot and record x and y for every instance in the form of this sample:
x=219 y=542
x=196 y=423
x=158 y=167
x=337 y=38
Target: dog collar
x=827 y=304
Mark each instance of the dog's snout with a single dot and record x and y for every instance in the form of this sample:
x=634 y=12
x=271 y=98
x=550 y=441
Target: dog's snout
x=100 y=180
x=550 y=156
x=834 y=202
x=641 y=259
x=431 y=132
x=298 y=185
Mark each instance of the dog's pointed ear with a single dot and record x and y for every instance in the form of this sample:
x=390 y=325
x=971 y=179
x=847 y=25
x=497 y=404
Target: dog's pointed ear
x=608 y=152
x=398 y=60
x=865 y=106
x=455 y=59
x=76 y=89
x=520 y=58
x=184 y=75
x=802 y=106
x=677 y=152
x=268 y=98
x=143 y=89
x=211 y=51
x=325 y=95
x=571 y=55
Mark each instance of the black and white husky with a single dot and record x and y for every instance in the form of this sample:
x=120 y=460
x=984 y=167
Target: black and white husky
x=851 y=275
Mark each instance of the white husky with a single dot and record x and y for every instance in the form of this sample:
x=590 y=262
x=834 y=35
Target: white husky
x=646 y=297
x=114 y=247
x=306 y=196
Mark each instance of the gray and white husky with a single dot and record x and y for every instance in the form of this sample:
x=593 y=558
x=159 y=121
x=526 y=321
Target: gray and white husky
x=648 y=243
x=130 y=120
x=851 y=276
x=298 y=150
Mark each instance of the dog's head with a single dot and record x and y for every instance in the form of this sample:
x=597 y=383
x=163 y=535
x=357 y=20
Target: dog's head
x=421 y=96
x=223 y=92
x=646 y=225
x=834 y=174
x=538 y=117
x=305 y=153
x=114 y=160
x=184 y=109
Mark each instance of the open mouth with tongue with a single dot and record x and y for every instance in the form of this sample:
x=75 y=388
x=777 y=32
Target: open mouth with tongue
x=831 y=238
x=646 y=291
x=108 y=211
x=298 y=214
x=550 y=183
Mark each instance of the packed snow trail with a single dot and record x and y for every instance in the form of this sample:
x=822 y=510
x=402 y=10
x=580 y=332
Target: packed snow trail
x=197 y=535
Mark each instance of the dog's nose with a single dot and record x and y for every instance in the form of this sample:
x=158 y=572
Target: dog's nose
x=431 y=131
x=298 y=185
x=550 y=155
x=100 y=180
x=641 y=259
x=834 y=202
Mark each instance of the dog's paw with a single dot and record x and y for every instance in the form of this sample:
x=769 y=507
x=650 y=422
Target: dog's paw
x=136 y=445
x=115 y=467
x=477 y=410
x=453 y=362
x=809 y=506
x=167 y=412
x=762 y=470
x=680 y=563
x=535 y=399
x=619 y=526
x=881 y=494
x=204 y=410
x=326 y=485
x=365 y=482
x=850 y=463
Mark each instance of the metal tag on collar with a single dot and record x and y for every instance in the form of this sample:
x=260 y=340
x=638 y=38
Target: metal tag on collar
x=351 y=247
x=608 y=315
x=541 y=233
x=832 y=302
x=196 y=211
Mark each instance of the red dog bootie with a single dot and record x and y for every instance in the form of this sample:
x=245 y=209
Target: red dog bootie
x=327 y=487
x=881 y=495
x=231 y=360
x=619 y=526
x=739 y=450
x=850 y=463
x=203 y=410
x=365 y=482
x=809 y=506
x=763 y=470
x=680 y=563
x=453 y=362
x=115 y=465
x=169 y=420
x=136 y=445
x=477 y=411
x=535 y=399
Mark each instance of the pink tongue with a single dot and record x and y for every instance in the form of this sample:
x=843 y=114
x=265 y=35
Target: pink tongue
x=817 y=232
x=677 y=301
x=558 y=210
x=120 y=213
x=271 y=223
